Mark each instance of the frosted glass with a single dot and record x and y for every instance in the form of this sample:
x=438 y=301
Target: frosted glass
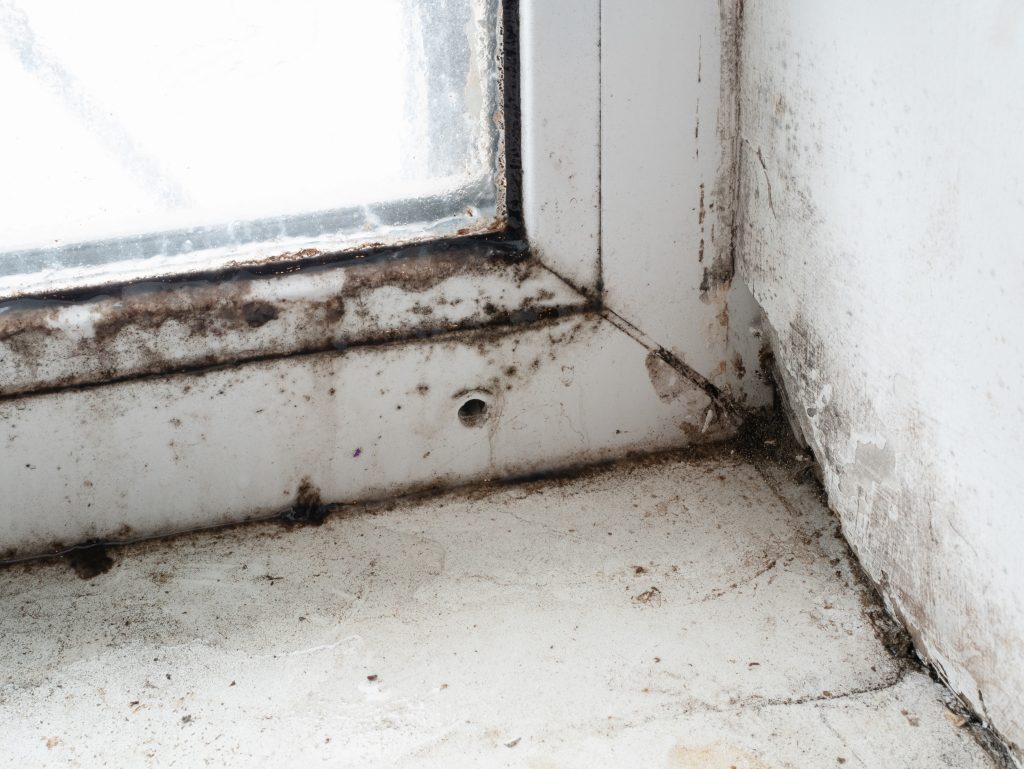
x=146 y=139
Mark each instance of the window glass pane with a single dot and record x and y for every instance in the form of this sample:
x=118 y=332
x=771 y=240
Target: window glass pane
x=144 y=139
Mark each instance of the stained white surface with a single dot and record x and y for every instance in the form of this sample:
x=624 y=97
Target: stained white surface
x=560 y=59
x=131 y=333
x=162 y=454
x=668 y=130
x=884 y=199
x=673 y=614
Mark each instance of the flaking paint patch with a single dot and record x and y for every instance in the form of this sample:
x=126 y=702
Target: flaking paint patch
x=896 y=512
x=876 y=462
x=668 y=383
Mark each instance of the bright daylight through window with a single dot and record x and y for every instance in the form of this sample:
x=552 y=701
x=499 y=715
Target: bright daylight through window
x=148 y=139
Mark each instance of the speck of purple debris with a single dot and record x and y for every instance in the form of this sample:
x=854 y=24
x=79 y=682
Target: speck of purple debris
x=357 y=452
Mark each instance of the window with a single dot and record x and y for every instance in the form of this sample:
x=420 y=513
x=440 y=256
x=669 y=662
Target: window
x=150 y=391
x=146 y=140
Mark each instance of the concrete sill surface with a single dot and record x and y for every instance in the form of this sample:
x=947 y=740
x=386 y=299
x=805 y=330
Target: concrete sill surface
x=671 y=612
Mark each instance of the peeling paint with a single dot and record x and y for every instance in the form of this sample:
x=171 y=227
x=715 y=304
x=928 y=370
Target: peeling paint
x=667 y=382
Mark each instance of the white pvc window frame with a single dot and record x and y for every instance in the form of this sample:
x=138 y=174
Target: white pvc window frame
x=48 y=344
x=163 y=407
x=560 y=60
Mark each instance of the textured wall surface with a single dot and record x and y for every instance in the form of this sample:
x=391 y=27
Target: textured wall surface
x=883 y=206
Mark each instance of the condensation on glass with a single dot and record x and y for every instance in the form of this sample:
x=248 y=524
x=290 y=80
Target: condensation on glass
x=149 y=139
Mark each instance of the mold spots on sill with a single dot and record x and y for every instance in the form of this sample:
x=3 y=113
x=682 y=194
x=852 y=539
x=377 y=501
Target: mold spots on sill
x=309 y=507
x=90 y=560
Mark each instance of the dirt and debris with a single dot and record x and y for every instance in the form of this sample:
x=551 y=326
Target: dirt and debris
x=309 y=508
x=247 y=323
x=716 y=278
x=258 y=313
x=660 y=360
x=89 y=560
x=650 y=597
x=893 y=636
x=738 y=366
x=758 y=439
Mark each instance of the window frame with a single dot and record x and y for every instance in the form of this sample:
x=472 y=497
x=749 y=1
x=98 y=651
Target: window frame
x=293 y=302
x=299 y=385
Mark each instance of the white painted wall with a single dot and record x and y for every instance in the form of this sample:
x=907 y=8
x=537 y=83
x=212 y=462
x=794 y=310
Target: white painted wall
x=883 y=195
